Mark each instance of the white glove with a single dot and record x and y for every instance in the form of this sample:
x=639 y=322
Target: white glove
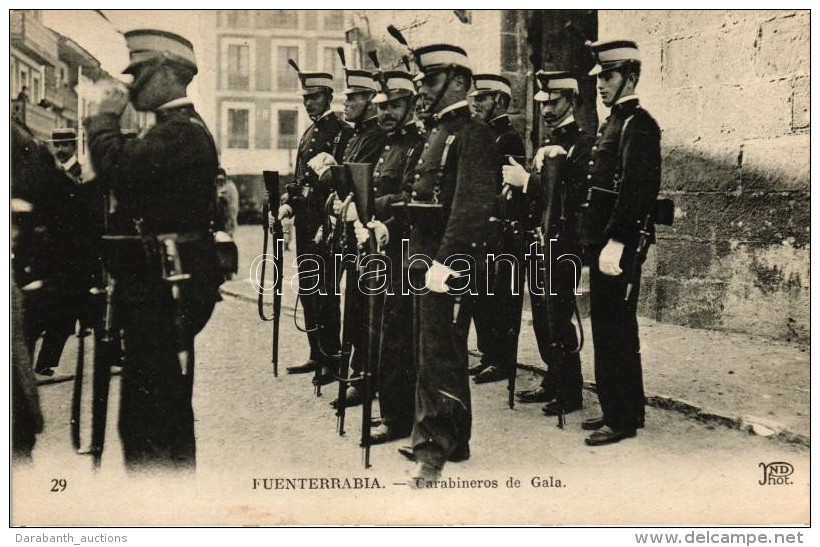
x=285 y=211
x=610 y=258
x=378 y=227
x=362 y=233
x=320 y=162
x=115 y=99
x=551 y=151
x=515 y=174
x=436 y=277
x=34 y=285
x=352 y=214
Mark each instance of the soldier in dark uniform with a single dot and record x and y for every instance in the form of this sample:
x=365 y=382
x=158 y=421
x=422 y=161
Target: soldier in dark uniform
x=305 y=198
x=453 y=197
x=364 y=146
x=164 y=184
x=393 y=170
x=623 y=181
x=561 y=388
x=71 y=210
x=498 y=315
x=31 y=167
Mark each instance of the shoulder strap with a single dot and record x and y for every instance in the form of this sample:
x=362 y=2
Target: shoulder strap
x=619 y=170
x=440 y=175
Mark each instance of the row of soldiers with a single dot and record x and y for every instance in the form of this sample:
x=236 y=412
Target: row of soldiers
x=454 y=182
x=446 y=186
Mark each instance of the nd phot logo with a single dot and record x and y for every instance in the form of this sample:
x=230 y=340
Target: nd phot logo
x=776 y=473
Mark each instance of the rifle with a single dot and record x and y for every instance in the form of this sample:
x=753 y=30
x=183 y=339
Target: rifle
x=512 y=232
x=362 y=176
x=276 y=230
x=553 y=227
x=342 y=182
x=107 y=352
x=662 y=212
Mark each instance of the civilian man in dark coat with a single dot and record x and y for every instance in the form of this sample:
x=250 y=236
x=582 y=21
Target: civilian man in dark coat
x=164 y=184
x=623 y=181
x=562 y=386
x=305 y=200
x=452 y=199
x=72 y=212
x=498 y=315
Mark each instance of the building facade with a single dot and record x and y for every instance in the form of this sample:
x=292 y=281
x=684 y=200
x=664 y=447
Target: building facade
x=250 y=94
x=730 y=90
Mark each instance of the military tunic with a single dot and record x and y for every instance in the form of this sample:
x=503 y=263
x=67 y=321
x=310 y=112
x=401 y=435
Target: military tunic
x=565 y=381
x=166 y=179
x=307 y=197
x=498 y=316
x=465 y=186
x=397 y=372
x=625 y=159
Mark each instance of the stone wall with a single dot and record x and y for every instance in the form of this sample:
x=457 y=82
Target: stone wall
x=730 y=89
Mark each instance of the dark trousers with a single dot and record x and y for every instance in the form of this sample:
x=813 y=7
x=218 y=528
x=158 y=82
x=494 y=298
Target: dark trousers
x=443 y=415
x=322 y=315
x=561 y=357
x=54 y=315
x=498 y=314
x=156 y=421
x=618 y=374
x=397 y=368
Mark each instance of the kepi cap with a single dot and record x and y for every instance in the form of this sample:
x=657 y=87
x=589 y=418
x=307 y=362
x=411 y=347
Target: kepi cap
x=314 y=82
x=147 y=45
x=437 y=57
x=490 y=83
x=394 y=84
x=550 y=82
x=360 y=81
x=611 y=54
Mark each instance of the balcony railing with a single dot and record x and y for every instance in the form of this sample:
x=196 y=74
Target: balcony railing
x=35 y=40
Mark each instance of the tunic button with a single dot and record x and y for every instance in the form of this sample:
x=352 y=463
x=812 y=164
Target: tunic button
x=591 y=162
x=427 y=145
x=375 y=189
x=547 y=141
x=310 y=149
x=414 y=193
x=417 y=176
x=473 y=244
x=376 y=174
x=589 y=177
x=387 y=147
x=313 y=140
x=435 y=130
x=421 y=161
x=381 y=160
x=594 y=148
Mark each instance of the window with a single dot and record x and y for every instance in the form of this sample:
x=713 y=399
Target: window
x=286 y=79
x=285 y=19
x=334 y=19
x=236 y=18
x=35 y=90
x=238 y=66
x=239 y=128
x=311 y=20
x=287 y=137
x=329 y=59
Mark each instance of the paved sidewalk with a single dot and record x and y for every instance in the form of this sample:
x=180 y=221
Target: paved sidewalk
x=749 y=383
x=735 y=380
